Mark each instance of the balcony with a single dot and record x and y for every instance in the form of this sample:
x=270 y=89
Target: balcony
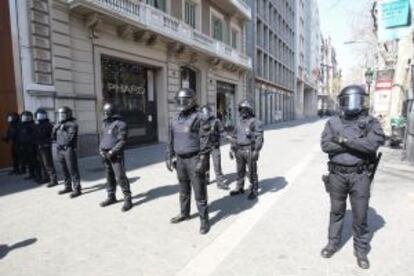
x=235 y=7
x=146 y=18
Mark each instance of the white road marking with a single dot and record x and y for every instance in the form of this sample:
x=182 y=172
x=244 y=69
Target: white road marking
x=210 y=257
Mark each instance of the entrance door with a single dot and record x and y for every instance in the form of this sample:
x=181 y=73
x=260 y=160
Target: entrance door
x=226 y=106
x=131 y=87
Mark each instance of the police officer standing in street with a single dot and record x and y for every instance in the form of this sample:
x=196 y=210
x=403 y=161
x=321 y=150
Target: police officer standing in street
x=12 y=137
x=216 y=131
x=187 y=151
x=44 y=146
x=27 y=145
x=113 y=139
x=247 y=141
x=351 y=140
x=65 y=134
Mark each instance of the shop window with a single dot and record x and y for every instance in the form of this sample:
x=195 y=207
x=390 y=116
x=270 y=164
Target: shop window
x=226 y=105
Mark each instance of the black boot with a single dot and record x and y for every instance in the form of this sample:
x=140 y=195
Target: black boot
x=204 y=227
x=237 y=191
x=110 y=200
x=252 y=195
x=329 y=250
x=65 y=190
x=362 y=260
x=179 y=218
x=127 y=204
x=75 y=193
x=52 y=183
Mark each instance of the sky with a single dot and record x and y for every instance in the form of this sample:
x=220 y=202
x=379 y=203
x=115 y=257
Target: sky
x=336 y=19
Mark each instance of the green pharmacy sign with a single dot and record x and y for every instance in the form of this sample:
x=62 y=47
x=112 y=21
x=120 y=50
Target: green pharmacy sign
x=395 y=13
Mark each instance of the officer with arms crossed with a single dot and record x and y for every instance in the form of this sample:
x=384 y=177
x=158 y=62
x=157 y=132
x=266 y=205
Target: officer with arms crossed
x=351 y=140
x=65 y=134
x=187 y=149
x=44 y=146
x=12 y=136
x=247 y=141
x=113 y=139
x=216 y=131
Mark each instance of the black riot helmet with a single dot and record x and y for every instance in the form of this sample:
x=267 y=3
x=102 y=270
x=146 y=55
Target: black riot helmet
x=26 y=117
x=12 y=117
x=185 y=99
x=41 y=115
x=64 y=113
x=353 y=100
x=109 y=110
x=206 y=112
x=246 y=109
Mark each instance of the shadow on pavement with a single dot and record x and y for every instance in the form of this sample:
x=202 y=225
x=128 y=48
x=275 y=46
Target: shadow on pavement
x=375 y=223
x=102 y=186
x=154 y=194
x=5 y=249
x=233 y=205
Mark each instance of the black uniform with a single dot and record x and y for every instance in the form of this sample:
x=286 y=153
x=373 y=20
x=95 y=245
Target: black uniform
x=66 y=135
x=27 y=148
x=12 y=137
x=189 y=144
x=351 y=141
x=216 y=131
x=44 y=131
x=113 y=139
x=247 y=143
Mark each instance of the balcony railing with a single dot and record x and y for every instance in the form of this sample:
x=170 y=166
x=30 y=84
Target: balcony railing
x=157 y=21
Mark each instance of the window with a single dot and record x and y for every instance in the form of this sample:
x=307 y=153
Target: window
x=190 y=13
x=217 y=28
x=234 y=37
x=159 y=4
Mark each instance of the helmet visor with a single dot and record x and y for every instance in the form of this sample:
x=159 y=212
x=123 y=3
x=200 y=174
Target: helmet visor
x=10 y=119
x=26 y=118
x=41 y=116
x=62 y=116
x=354 y=102
x=184 y=103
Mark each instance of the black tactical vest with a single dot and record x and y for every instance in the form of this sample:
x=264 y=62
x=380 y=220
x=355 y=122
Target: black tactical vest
x=245 y=131
x=186 y=134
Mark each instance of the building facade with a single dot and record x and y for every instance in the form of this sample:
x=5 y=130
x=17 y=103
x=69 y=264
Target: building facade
x=307 y=58
x=271 y=44
x=82 y=53
x=330 y=77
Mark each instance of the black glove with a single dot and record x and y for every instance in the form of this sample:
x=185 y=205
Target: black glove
x=103 y=154
x=171 y=163
x=340 y=140
x=200 y=164
x=255 y=155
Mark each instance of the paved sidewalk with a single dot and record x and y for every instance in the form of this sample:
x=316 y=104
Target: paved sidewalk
x=282 y=233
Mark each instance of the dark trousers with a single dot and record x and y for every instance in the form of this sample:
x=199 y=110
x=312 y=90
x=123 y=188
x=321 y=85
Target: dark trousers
x=28 y=154
x=47 y=166
x=15 y=157
x=216 y=156
x=68 y=159
x=243 y=161
x=357 y=186
x=188 y=177
x=115 y=173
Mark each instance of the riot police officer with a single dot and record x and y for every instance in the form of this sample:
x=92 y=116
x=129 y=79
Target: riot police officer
x=351 y=141
x=44 y=146
x=27 y=145
x=247 y=141
x=12 y=137
x=187 y=150
x=113 y=139
x=65 y=134
x=216 y=132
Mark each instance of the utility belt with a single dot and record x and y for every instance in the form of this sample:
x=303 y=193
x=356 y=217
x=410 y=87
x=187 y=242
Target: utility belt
x=188 y=155
x=336 y=168
x=244 y=147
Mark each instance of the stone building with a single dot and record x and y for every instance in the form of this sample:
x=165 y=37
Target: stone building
x=81 y=53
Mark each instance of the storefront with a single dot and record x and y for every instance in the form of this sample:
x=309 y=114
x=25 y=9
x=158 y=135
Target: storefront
x=131 y=87
x=226 y=103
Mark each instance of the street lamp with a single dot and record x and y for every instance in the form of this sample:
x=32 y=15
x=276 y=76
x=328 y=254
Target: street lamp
x=369 y=78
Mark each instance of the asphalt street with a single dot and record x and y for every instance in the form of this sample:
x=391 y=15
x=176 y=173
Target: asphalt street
x=282 y=233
